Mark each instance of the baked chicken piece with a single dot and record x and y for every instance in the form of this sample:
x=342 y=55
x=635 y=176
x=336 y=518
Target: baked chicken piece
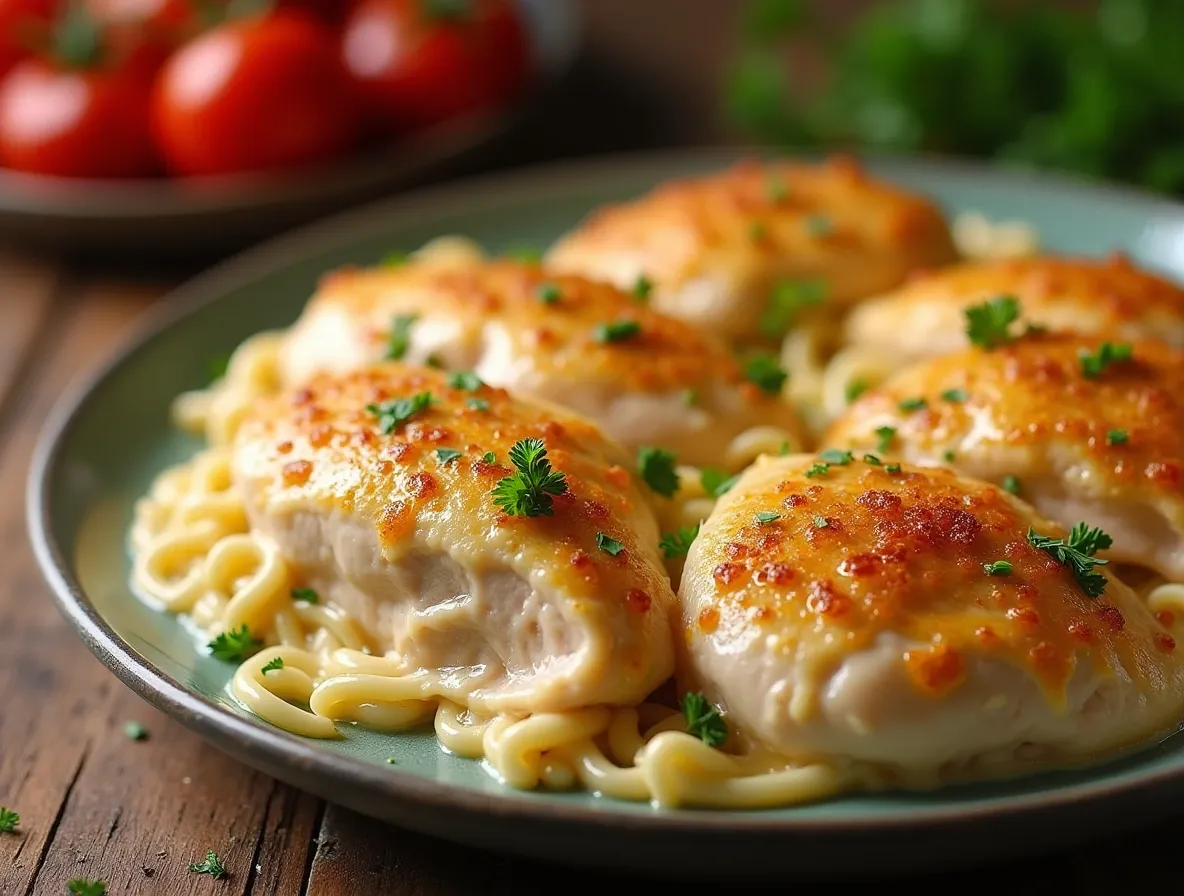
x=1080 y=428
x=926 y=316
x=646 y=379
x=504 y=548
x=905 y=621
x=739 y=252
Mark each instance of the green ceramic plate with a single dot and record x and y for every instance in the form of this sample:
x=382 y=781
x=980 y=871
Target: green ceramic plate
x=111 y=436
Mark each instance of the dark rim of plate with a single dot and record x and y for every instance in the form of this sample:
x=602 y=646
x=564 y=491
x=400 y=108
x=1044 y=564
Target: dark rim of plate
x=262 y=740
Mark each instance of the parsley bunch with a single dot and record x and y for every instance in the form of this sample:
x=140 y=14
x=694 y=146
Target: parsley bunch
x=528 y=490
x=988 y=325
x=1077 y=555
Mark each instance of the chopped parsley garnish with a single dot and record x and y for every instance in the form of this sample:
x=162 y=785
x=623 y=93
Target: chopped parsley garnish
x=676 y=544
x=447 y=455
x=885 y=435
x=1011 y=484
x=892 y=468
x=703 y=720
x=9 y=819
x=212 y=866
x=785 y=301
x=948 y=456
x=1117 y=437
x=757 y=231
x=717 y=482
x=998 y=568
x=395 y=259
x=435 y=362
x=836 y=457
x=465 y=379
x=477 y=404
x=391 y=413
x=817 y=470
x=84 y=886
x=235 y=646
x=273 y=665
x=785 y=447
x=1077 y=555
x=1093 y=364
x=399 y=339
x=767 y=516
x=988 y=325
x=133 y=730
x=217 y=366
x=528 y=491
x=872 y=460
x=529 y=254
x=608 y=545
x=766 y=372
x=657 y=469
x=489 y=457
x=854 y=389
x=819 y=226
x=617 y=331
x=690 y=397
x=549 y=293
x=308 y=595
x=957 y=396
x=913 y=404
x=821 y=522
x=642 y=288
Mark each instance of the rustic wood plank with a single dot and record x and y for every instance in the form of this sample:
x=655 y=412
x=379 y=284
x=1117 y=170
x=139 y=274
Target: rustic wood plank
x=27 y=292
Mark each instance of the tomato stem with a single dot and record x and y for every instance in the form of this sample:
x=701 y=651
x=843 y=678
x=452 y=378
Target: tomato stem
x=77 y=39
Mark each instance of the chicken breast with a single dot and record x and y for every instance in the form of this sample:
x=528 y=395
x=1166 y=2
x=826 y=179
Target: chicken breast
x=852 y=616
x=1084 y=439
x=380 y=487
x=926 y=317
x=645 y=378
x=737 y=253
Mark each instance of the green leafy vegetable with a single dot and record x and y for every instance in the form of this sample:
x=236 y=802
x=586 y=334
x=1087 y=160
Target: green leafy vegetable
x=766 y=372
x=1117 y=437
x=892 y=468
x=703 y=720
x=308 y=595
x=212 y=866
x=84 y=886
x=391 y=414
x=134 y=731
x=643 y=287
x=657 y=468
x=989 y=325
x=676 y=544
x=1093 y=364
x=234 y=646
x=447 y=455
x=854 y=389
x=717 y=482
x=956 y=396
x=1077 y=555
x=834 y=456
x=767 y=516
x=616 y=331
x=998 y=568
x=913 y=404
x=608 y=545
x=1011 y=484
x=817 y=470
x=477 y=404
x=821 y=522
x=489 y=457
x=465 y=379
x=885 y=436
x=273 y=665
x=549 y=293
x=529 y=490
x=872 y=460
x=399 y=339
x=9 y=820
x=787 y=300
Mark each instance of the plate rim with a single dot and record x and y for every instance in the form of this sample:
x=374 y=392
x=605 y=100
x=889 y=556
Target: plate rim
x=292 y=752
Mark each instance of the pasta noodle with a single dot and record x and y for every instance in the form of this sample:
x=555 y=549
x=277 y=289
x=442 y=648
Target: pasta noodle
x=193 y=554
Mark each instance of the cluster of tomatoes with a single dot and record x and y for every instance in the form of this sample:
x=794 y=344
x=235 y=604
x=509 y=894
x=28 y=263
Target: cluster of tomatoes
x=138 y=88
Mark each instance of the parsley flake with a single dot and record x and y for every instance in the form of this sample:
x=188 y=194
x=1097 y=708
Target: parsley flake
x=892 y=468
x=308 y=595
x=642 y=288
x=1095 y=363
x=477 y=404
x=1077 y=555
x=9 y=820
x=956 y=396
x=83 y=886
x=391 y=413
x=617 y=331
x=465 y=379
x=489 y=457
x=529 y=490
x=948 y=456
x=609 y=545
x=657 y=468
x=717 y=482
x=133 y=730
x=786 y=301
x=212 y=866
x=690 y=397
x=767 y=516
x=1011 y=484
x=765 y=371
x=854 y=389
x=435 y=362
x=676 y=544
x=817 y=470
x=998 y=568
x=447 y=455
x=988 y=325
x=1117 y=437
x=234 y=646
x=273 y=665
x=821 y=522
x=703 y=720
x=872 y=460
x=913 y=404
x=836 y=457
x=885 y=435
x=549 y=293
x=399 y=339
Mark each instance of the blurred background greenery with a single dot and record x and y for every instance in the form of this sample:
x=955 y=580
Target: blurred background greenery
x=1093 y=88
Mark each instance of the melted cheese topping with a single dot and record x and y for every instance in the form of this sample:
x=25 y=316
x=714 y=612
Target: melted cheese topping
x=1091 y=447
x=1111 y=297
x=714 y=246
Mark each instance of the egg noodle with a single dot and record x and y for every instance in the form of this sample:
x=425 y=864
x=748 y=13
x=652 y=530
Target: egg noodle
x=194 y=553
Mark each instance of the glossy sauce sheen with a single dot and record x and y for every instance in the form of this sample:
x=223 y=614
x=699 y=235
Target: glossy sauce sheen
x=756 y=222
x=1109 y=297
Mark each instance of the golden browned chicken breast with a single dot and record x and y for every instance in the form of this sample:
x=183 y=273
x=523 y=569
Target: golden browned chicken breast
x=918 y=623
x=1081 y=428
x=503 y=549
x=739 y=253
x=1109 y=297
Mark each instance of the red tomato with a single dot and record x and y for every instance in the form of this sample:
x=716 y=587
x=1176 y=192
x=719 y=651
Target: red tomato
x=254 y=94
x=416 y=66
x=75 y=122
x=329 y=11
x=142 y=34
x=22 y=24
